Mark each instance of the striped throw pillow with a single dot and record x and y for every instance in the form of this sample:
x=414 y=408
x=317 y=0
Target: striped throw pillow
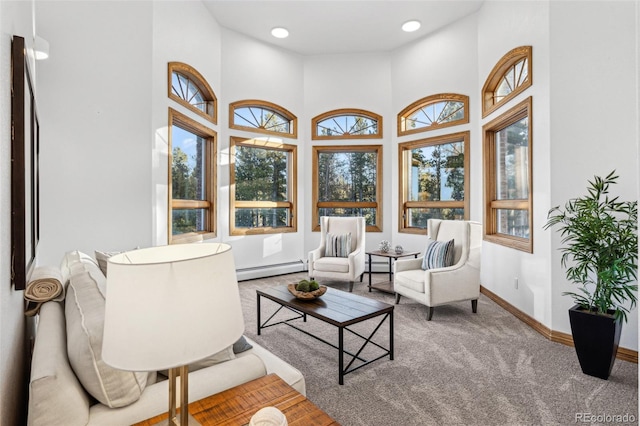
x=338 y=245
x=438 y=254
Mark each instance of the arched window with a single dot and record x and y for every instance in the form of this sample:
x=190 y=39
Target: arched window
x=347 y=124
x=510 y=76
x=189 y=88
x=262 y=117
x=434 y=112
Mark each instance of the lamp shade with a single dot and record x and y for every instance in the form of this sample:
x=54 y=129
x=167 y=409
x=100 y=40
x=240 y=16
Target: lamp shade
x=170 y=306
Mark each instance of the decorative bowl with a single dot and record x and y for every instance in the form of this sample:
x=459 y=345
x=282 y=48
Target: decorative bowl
x=306 y=295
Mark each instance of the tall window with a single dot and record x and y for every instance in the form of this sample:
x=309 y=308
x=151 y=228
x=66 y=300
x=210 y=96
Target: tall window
x=192 y=179
x=347 y=124
x=263 y=187
x=510 y=76
x=434 y=112
x=189 y=88
x=347 y=181
x=262 y=117
x=508 y=195
x=434 y=181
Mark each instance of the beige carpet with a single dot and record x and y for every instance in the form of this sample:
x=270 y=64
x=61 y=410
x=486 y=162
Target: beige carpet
x=460 y=368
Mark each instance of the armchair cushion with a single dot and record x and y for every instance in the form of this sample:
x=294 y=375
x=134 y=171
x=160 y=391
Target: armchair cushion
x=338 y=245
x=438 y=254
x=332 y=264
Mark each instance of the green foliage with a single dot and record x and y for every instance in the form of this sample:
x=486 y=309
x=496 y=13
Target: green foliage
x=313 y=285
x=303 y=286
x=600 y=251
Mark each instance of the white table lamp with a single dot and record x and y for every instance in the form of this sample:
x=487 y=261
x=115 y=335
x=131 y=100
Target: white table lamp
x=169 y=306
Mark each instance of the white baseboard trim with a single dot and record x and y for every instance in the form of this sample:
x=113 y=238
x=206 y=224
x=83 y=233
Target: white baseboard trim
x=270 y=270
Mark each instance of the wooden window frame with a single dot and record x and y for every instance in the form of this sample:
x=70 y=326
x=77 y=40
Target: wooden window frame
x=292 y=182
x=317 y=205
x=200 y=82
x=518 y=112
x=342 y=112
x=497 y=74
x=403 y=189
x=293 y=120
x=429 y=100
x=186 y=123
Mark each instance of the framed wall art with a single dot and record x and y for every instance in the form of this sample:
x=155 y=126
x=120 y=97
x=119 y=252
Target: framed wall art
x=25 y=147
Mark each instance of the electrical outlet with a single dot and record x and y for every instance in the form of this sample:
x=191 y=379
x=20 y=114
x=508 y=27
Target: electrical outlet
x=515 y=282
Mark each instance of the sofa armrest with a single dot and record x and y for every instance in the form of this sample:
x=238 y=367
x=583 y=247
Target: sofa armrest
x=202 y=383
x=274 y=364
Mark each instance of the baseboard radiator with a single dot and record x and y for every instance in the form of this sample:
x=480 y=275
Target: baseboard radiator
x=270 y=270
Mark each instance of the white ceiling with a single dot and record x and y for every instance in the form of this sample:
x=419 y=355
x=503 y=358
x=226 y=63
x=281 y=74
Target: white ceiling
x=319 y=27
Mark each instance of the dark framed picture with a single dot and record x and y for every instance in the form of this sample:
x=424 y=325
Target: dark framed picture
x=25 y=147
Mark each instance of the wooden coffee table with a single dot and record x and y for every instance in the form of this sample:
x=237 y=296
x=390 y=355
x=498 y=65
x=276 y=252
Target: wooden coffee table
x=235 y=406
x=337 y=308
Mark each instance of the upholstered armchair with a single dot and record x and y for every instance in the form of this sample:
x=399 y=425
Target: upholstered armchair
x=443 y=285
x=339 y=256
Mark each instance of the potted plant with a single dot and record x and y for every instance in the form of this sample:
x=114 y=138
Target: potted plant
x=600 y=254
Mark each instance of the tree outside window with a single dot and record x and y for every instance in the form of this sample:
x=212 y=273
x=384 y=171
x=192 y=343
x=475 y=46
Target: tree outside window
x=507 y=146
x=263 y=187
x=347 y=182
x=192 y=178
x=434 y=181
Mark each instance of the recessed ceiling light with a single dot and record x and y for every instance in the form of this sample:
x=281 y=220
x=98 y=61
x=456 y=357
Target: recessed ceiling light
x=280 y=32
x=410 y=26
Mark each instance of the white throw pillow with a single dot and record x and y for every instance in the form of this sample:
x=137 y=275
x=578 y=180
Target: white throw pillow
x=84 y=312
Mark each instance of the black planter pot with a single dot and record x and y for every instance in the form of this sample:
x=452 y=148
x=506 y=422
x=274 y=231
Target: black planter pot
x=596 y=339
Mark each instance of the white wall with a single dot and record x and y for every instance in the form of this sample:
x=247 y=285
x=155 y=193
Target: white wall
x=594 y=110
x=95 y=120
x=443 y=62
x=361 y=81
x=16 y=18
x=253 y=70
x=503 y=26
x=198 y=45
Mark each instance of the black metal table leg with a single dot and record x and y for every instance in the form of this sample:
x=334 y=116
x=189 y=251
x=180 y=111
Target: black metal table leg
x=369 y=273
x=340 y=356
x=390 y=271
x=259 y=323
x=391 y=335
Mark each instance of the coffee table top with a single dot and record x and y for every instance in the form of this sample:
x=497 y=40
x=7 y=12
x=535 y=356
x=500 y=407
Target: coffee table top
x=335 y=306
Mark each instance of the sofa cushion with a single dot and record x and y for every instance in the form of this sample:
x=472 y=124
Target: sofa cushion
x=438 y=254
x=241 y=345
x=55 y=394
x=102 y=257
x=84 y=312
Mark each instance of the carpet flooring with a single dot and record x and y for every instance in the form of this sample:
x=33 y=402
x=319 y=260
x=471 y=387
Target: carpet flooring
x=460 y=368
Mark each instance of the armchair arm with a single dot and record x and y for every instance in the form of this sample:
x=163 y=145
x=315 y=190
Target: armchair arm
x=407 y=264
x=312 y=257
x=357 y=262
x=454 y=283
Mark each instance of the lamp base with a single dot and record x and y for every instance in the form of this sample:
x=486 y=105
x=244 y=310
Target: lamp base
x=191 y=421
x=183 y=418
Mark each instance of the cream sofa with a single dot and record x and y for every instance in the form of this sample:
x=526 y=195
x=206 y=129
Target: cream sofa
x=66 y=362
